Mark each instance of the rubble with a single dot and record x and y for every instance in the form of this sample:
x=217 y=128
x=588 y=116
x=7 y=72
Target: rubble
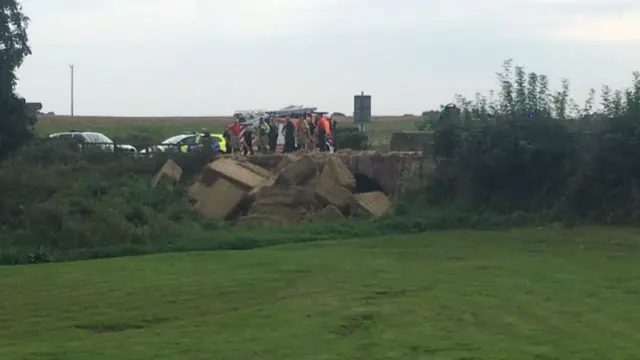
x=302 y=188
x=231 y=170
x=374 y=203
x=329 y=213
x=287 y=159
x=332 y=193
x=219 y=200
x=298 y=171
x=170 y=170
x=336 y=171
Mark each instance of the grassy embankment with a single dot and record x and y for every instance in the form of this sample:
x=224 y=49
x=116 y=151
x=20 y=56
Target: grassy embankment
x=521 y=294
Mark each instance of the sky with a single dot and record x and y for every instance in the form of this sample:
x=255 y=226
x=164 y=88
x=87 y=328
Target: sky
x=212 y=57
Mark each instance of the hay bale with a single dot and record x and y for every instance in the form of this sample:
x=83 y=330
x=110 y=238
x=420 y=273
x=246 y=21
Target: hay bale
x=231 y=170
x=331 y=193
x=170 y=170
x=297 y=172
x=329 y=213
x=219 y=200
x=374 y=203
x=336 y=171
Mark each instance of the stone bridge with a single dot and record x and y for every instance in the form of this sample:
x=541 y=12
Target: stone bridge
x=390 y=172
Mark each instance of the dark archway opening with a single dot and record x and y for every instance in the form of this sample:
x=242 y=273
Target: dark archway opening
x=366 y=184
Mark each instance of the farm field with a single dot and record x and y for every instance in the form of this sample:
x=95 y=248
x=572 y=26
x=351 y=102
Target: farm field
x=520 y=294
x=161 y=128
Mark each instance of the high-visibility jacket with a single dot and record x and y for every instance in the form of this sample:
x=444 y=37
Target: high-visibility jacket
x=323 y=125
x=215 y=143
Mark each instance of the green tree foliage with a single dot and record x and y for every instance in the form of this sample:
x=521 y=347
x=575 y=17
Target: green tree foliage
x=534 y=149
x=16 y=123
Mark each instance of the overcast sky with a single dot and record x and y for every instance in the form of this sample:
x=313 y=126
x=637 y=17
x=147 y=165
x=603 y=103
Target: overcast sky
x=211 y=57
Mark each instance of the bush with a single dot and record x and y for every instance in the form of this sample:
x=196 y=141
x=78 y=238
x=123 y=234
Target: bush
x=57 y=198
x=535 y=150
x=350 y=138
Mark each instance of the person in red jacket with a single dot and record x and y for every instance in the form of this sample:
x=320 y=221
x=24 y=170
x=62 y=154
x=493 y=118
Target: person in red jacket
x=235 y=132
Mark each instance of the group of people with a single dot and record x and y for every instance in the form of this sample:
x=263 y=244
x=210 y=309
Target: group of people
x=311 y=131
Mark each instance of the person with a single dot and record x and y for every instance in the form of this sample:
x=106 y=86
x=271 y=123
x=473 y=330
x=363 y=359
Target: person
x=297 y=125
x=311 y=126
x=207 y=144
x=261 y=131
x=247 y=136
x=322 y=129
x=273 y=134
x=334 y=125
x=227 y=137
x=289 y=136
x=235 y=130
x=313 y=120
x=304 y=138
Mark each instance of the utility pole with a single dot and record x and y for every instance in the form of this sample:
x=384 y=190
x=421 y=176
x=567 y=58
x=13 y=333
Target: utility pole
x=71 y=68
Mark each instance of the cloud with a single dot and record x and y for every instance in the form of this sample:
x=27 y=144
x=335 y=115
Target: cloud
x=200 y=56
x=138 y=21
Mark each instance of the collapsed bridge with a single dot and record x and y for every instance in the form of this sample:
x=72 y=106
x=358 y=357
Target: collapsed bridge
x=390 y=172
x=281 y=189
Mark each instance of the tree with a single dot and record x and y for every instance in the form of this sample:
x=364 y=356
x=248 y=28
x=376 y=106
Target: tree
x=16 y=122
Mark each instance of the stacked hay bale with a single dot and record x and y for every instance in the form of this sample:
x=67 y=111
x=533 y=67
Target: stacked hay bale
x=300 y=188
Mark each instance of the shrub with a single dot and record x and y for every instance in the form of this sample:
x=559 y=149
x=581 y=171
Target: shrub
x=57 y=198
x=535 y=150
x=350 y=138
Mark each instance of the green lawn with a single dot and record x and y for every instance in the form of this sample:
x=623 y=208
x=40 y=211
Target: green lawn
x=525 y=294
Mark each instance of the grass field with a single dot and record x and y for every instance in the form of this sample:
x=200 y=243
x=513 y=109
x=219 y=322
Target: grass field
x=161 y=128
x=521 y=294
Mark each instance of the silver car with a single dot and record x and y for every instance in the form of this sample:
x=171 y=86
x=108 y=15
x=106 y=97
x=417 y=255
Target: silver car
x=94 y=138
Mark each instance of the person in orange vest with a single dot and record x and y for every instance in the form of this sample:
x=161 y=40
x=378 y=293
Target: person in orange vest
x=323 y=130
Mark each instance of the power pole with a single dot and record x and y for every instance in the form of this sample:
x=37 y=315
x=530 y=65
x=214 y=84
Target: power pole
x=71 y=68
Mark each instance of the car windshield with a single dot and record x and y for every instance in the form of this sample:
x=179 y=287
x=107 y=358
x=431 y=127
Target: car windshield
x=98 y=138
x=61 y=136
x=174 y=139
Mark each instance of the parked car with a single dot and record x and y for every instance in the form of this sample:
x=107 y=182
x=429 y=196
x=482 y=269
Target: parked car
x=187 y=142
x=87 y=138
